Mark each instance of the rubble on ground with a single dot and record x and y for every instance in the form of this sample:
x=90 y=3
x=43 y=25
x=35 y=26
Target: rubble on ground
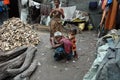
x=15 y=33
x=106 y=65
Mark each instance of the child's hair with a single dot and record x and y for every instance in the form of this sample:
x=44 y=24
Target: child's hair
x=74 y=31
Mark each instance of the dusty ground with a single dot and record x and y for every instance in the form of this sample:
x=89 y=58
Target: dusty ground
x=48 y=69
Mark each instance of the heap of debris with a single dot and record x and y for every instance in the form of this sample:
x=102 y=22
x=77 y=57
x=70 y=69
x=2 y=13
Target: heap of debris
x=106 y=65
x=18 y=64
x=15 y=33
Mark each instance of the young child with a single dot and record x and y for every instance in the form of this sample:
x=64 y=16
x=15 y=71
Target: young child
x=72 y=37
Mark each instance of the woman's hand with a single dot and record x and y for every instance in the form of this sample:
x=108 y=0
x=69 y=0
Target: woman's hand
x=53 y=11
x=57 y=10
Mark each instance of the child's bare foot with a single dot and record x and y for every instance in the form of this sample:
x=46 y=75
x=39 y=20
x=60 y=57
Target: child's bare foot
x=76 y=58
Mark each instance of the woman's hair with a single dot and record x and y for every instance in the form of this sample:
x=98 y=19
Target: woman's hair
x=57 y=1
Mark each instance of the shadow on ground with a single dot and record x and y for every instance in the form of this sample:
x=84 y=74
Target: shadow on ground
x=48 y=69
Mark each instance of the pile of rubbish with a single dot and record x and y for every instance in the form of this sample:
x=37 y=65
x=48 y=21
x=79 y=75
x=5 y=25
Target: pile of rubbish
x=106 y=65
x=17 y=42
x=80 y=16
x=15 y=33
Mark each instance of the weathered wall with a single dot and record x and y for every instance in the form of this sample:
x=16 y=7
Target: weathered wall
x=83 y=5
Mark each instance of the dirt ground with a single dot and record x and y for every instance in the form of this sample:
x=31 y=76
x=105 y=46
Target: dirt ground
x=48 y=69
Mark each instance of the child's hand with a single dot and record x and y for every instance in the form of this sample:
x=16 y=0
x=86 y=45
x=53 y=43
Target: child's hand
x=53 y=46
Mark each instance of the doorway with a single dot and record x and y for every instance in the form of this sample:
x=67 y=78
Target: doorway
x=13 y=10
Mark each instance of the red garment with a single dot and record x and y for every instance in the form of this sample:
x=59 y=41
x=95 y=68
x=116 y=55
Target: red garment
x=67 y=45
x=6 y=2
x=110 y=20
x=73 y=40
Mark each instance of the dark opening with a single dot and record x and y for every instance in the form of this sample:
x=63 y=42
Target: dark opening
x=13 y=9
